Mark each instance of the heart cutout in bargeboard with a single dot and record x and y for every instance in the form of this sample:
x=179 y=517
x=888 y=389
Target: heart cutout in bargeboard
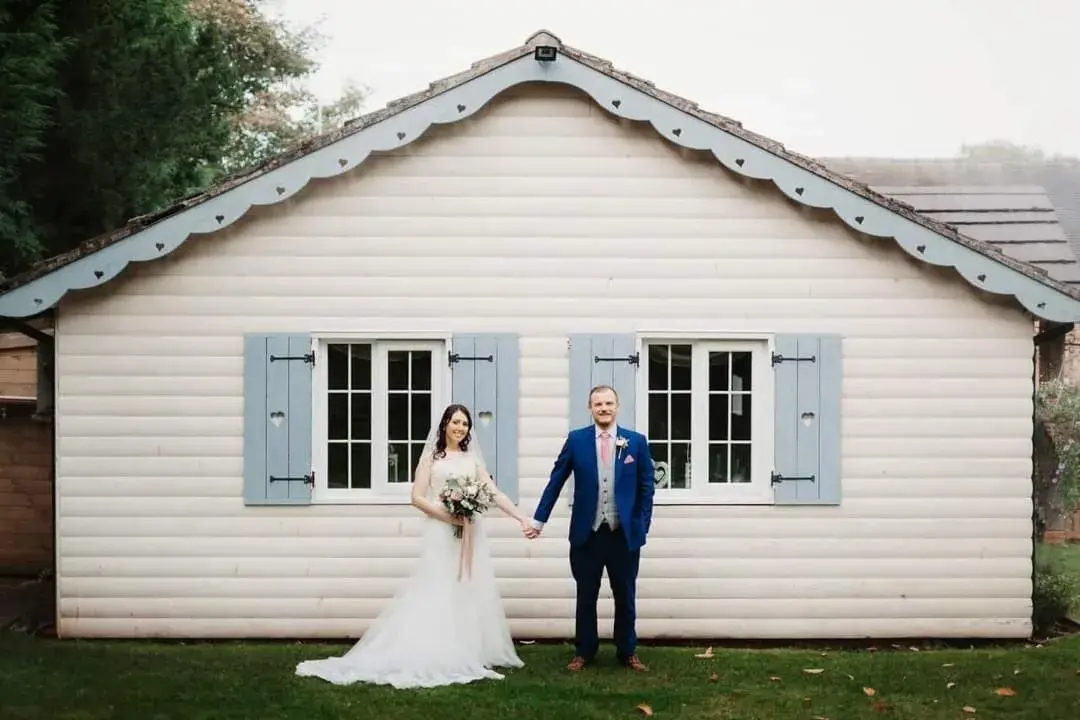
x=485 y=417
x=277 y=417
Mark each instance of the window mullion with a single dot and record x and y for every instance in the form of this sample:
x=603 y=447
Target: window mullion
x=379 y=399
x=699 y=417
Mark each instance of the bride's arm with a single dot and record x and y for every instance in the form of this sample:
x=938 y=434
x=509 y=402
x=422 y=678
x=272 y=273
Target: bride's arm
x=503 y=502
x=421 y=483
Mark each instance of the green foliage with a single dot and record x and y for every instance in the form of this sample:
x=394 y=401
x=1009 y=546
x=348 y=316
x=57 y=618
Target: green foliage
x=1057 y=411
x=1053 y=595
x=30 y=54
x=113 y=109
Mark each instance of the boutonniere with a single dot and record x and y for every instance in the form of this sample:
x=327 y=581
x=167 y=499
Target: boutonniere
x=620 y=444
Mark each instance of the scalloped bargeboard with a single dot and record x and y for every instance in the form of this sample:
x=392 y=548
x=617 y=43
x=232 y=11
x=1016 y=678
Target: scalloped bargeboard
x=803 y=180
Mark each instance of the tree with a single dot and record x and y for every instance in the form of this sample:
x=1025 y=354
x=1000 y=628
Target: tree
x=1006 y=151
x=114 y=108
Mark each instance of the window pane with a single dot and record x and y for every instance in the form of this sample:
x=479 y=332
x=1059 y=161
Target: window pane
x=680 y=416
x=337 y=465
x=718 y=462
x=397 y=369
x=361 y=416
x=740 y=463
x=337 y=367
x=740 y=370
x=680 y=465
x=421 y=370
x=658 y=367
x=658 y=419
x=740 y=417
x=361 y=465
x=337 y=416
x=421 y=416
x=680 y=367
x=397 y=470
x=415 y=451
x=718 y=370
x=397 y=416
x=361 y=367
x=718 y=417
x=660 y=460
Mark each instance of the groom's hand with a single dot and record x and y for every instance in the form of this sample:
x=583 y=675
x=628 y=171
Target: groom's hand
x=528 y=530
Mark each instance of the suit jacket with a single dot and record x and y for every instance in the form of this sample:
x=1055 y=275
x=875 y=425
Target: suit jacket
x=634 y=485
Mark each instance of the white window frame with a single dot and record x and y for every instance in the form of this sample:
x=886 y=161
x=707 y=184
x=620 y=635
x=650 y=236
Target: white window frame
x=381 y=492
x=759 y=490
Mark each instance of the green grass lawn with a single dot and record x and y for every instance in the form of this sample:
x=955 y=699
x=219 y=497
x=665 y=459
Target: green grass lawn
x=94 y=680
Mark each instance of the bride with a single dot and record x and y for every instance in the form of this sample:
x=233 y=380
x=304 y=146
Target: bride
x=447 y=623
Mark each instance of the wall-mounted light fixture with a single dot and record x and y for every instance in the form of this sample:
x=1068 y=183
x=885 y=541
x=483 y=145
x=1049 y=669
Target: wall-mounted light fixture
x=545 y=53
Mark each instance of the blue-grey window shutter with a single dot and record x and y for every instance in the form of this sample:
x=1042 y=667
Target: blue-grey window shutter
x=602 y=359
x=485 y=380
x=808 y=380
x=277 y=419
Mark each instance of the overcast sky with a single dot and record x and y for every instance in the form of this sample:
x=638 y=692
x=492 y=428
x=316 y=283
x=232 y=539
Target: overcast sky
x=898 y=78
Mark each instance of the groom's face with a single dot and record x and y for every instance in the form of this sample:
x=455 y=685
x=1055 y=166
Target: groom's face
x=604 y=406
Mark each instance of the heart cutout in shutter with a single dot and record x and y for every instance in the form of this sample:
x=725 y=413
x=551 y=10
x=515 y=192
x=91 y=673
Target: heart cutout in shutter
x=485 y=417
x=807 y=418
x=277 y=417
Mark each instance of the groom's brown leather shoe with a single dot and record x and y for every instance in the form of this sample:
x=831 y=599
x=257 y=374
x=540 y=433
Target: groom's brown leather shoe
x=634 y=663
x=576 y=663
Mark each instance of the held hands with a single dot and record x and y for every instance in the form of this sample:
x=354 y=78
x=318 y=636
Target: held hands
x=527 y=529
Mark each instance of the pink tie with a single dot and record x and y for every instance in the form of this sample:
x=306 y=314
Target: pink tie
x=605 y=446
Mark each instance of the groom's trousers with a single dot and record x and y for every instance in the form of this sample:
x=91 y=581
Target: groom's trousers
x=605 y=548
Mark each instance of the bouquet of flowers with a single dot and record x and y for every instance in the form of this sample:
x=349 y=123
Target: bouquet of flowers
x=465 y=497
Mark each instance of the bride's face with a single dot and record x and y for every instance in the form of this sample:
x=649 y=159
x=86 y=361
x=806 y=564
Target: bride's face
x=457 y=428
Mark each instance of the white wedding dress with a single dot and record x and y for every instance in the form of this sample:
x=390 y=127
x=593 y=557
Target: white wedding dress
x=437 y=630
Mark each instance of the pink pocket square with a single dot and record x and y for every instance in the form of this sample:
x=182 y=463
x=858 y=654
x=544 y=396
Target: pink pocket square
x=629 y=459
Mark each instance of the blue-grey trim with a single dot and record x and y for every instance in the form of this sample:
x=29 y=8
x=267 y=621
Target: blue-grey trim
x=491 y=387
x=586 y=373
x=810 y=445
x=283 y=449
x=979 y=264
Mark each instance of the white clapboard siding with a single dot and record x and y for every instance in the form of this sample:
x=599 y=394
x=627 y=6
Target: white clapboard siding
x=545 y=217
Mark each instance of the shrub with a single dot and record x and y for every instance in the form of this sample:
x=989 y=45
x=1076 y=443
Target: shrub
x=1052 y=596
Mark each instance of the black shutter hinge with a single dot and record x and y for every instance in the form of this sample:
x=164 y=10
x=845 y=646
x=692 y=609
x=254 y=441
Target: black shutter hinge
x=453 y=357
x=308 y=357
x=308 y=479
x=634 y=359
x=777 y=358
x=777 y=478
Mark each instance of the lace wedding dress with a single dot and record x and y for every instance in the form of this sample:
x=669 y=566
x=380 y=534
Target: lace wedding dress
x=437 y=630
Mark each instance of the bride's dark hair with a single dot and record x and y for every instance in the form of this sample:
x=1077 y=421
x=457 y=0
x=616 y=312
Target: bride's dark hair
x=440 y=437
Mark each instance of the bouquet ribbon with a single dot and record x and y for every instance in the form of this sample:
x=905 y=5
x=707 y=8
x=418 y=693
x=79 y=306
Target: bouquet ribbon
x=465 y=566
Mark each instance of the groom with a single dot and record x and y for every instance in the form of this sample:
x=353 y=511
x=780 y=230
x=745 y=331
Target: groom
x=613 y=501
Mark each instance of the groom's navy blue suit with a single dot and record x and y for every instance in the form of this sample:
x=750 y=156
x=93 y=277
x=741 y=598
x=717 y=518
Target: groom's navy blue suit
x=591 y=551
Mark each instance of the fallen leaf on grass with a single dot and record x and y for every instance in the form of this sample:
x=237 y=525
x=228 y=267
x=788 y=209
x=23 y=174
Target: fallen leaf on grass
x=714 y=676
x=813 y=671
x=706 y=654
x=819 y=717
x=870 y=691
x=947 y=664
x=851 y=677
x=1017 y=671
x=1005 y=692
x=968 y=709
x=645 y=709
x=950 y=686
x=774 y=678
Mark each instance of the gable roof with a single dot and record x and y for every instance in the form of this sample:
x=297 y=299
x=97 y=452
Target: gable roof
x=1058 y=179
x=680 y=121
